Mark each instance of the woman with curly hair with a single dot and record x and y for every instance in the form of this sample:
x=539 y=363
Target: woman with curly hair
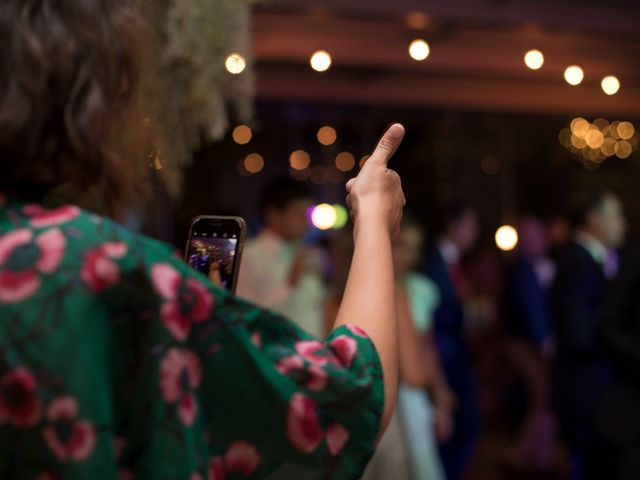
x=116 y=358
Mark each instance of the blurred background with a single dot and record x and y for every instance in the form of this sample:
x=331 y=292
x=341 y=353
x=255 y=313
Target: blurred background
x=481 y=122
x=510 y=106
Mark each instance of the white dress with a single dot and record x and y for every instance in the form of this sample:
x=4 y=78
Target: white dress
x=408 y=449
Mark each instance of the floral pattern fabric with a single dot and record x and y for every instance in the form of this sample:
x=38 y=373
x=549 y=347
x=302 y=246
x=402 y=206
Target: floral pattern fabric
x=117 y=360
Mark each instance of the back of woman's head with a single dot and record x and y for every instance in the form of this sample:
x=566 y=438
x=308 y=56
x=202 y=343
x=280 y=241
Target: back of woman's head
x=67 y=67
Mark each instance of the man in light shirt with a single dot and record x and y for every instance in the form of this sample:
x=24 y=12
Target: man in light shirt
x=277 y=271
x=581 y=373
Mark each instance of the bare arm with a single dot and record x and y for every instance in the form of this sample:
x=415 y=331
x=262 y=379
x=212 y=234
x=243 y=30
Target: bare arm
x=376 y=200
x=414 y=368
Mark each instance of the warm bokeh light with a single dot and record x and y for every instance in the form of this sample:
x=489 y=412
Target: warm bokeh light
x=607 y=147
x=574 y=75
x=253 y=163
x=534 y=59
x=613 y=130
x=299 y=160
x=235 y=63
x=601 y=123
x=319 y=174
x=335 y=176
x=579 y=127
x=363 y=160
x=506 y=238
x=324 y=216
x=610 y=85
x=623 y=149
x=419 y=49
x=300 y=175
x=625 y=130
x=345 y=161
x=242 y=134
x=578 y=142
x=320 y=61
x=594 y=138
x=594 y=142
x=490 y=165
x=417 y=20
x=327 y=135
x=342 y=216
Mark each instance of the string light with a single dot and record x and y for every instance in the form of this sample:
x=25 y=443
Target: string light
x=597 y=141
x=235 y=63
x=506 y=238
x=594 y=138
x=299 y=160
x=345 y=161
x=534 y=59
x=419 y=50
x=320 y=61
x=625 y=130
x=610 y=85
x=323 y=216
x=623 y=149
x=327 y=135
x=254 y=163
x=574 y=75
x=242 y=134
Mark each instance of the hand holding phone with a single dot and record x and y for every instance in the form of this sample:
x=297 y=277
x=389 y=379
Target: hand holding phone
x=215 y=248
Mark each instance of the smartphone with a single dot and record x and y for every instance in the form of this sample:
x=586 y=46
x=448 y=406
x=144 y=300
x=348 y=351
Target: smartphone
x=215 y=248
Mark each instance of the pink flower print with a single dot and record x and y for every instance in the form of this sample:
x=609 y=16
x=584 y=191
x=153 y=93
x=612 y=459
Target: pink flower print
x=313 y=351
x=67 y=437
x=185 y=301
x=99 y=271
x=303 y=429
x=345 y=349
x=241 y=458
x=48 y=218
x=357 y=331
x=180 y=374
x=24 y=257
x=19 y=402
x=337 y=437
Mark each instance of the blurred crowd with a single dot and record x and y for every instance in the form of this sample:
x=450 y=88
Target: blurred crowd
x=539 y=344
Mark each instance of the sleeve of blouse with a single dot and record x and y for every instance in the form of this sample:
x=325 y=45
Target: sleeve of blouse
x=272 y=398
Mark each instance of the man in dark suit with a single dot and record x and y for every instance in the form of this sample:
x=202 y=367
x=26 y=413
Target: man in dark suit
x=529 y=345
x=619 y=330
x=581 y=373
x=459 y=234
x=528 y=279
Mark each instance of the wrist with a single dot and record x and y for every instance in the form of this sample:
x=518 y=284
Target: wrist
x=371 y=221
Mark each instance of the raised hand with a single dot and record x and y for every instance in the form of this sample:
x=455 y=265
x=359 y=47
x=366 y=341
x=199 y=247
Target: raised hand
x=376 y=195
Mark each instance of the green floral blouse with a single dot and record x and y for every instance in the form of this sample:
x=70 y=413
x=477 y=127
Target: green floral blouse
x=117 y=360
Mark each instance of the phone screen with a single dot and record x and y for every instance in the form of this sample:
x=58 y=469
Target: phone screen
x=214 y=248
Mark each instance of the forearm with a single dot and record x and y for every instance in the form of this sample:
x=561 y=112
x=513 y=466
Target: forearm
x=369 y=301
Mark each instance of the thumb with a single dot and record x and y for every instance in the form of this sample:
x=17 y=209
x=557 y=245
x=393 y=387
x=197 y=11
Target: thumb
x=387 y=145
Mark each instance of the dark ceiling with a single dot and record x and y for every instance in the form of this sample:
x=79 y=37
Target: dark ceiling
x=476 y=60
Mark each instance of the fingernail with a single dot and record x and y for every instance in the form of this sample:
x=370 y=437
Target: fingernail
x=396 y=132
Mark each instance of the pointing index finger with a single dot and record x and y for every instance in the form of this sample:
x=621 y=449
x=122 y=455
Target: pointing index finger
x=388 y=144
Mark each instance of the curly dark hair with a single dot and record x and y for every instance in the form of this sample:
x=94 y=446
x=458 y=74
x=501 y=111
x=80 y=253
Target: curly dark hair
x=67 y=70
